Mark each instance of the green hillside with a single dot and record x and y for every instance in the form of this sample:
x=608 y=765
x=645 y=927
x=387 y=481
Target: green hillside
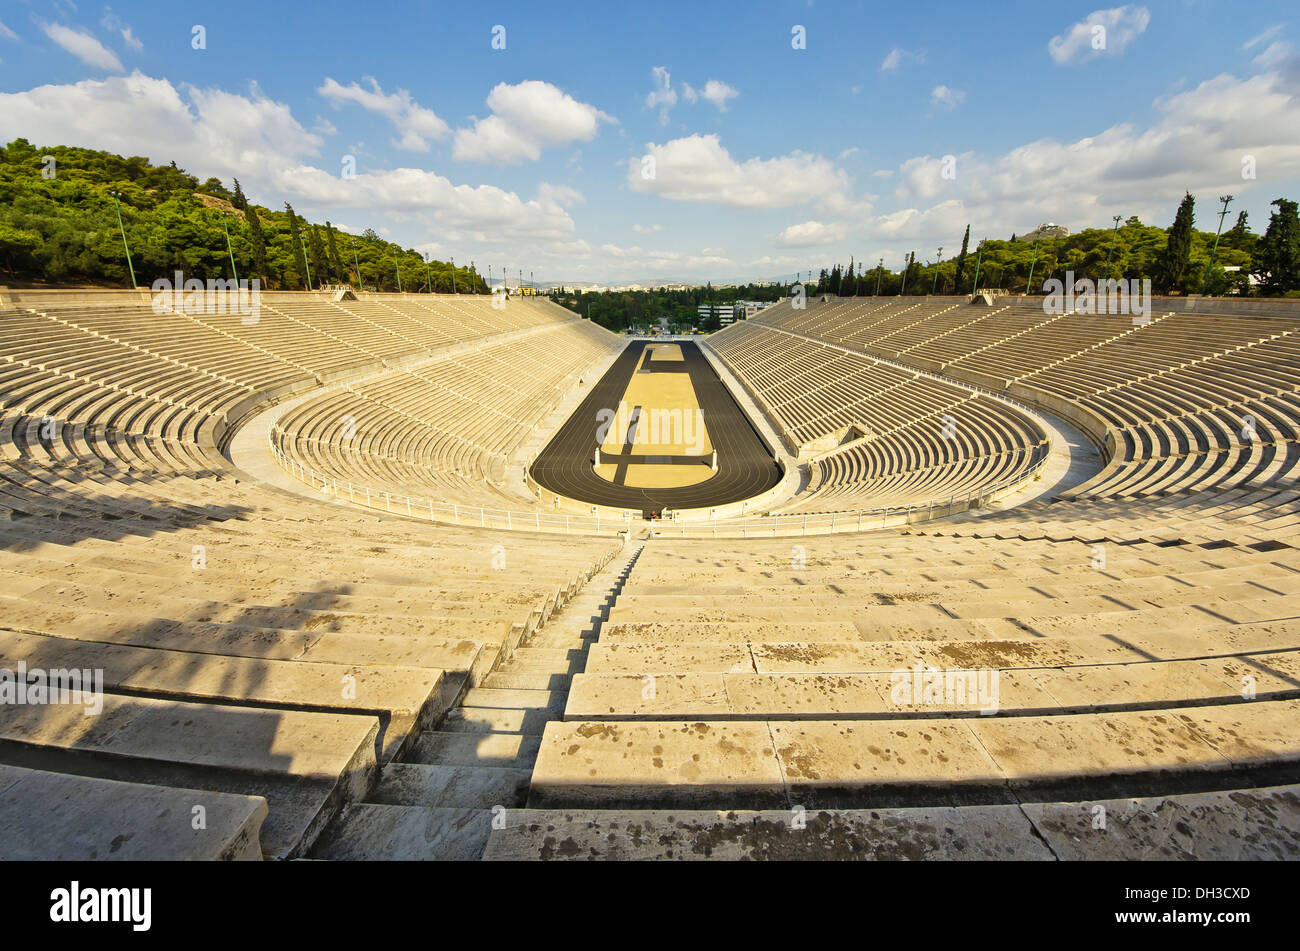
x=59 y=225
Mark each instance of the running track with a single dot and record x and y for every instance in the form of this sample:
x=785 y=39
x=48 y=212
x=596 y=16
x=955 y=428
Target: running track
x=745 y=466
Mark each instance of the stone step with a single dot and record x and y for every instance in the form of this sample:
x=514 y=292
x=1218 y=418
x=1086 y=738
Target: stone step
x=305 y=764
x=496 y=720
x=502 y=750
x=938 y=761
x=1239 y=825
x=510 y=679
x=371 y=832
x=47 y=816
x=460 y=787
x=515 y=699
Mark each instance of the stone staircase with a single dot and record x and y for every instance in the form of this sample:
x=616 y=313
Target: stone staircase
x=457 y=781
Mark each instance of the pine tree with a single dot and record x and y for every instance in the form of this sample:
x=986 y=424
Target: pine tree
x=1172 y=263
x=295 y=234
x=239 y=201
x=1276 y=261
x=961 y=261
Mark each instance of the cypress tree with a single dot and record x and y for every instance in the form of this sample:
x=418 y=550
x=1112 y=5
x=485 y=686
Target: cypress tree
x=319 y=265
x=1172 y=263
x=258 y=239
x=295 y=234
x=336 y=264
x=961 y=261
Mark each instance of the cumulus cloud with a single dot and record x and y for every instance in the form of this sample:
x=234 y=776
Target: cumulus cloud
x=526 y=118
x=1100 y=33
x=83 y=46
x=698 y=169
x=416 y=124
x=946 y=96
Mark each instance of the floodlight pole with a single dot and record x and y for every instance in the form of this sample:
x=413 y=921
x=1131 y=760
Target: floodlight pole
x=880 y=270
x=357 y=261
x=1227 y=200
x=1030 y=283
x=1113 y=232
x=428 y=282
x=979 y=256
x=127 y=247
x=230 y=251
x=935 y=283
x=398 y=268
x=907 y=266
x=453 y=274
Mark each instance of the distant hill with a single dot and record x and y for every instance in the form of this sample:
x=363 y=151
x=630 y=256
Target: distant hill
x=1048 y=230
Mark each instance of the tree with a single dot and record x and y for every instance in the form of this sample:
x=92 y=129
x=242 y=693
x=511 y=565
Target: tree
x=340 y=271
x=1173 y=261
x=961 y=261
x=320 y=267
x=1276 y=261
x=258 y=240
x=299 y=255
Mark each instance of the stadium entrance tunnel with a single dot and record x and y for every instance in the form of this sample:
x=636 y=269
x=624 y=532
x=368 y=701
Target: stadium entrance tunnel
x=659 y=431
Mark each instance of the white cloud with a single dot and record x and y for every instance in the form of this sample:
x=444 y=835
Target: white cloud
x=1263 y=37
x=647 y=229
x=214 y=132
x=946 y=96
x=698 y=169
x=662 y=95
x=1196 y=141
x=811 y=234
x=527 y=118
x=1100 y=33
x=415 y=123
x=83 y=46
x=324 y=127
x=718 y=92
x=7 y=33
x=111 y=21
x=897 y=57
x=850 y=151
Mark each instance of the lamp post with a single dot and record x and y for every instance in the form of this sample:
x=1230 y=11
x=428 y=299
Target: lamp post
x=357 y=261
x=935 y=282
x=453 y=274
x=880 y=269
x=428 y=282
x=127 y=247
x=1227 y=200
x=979 y=256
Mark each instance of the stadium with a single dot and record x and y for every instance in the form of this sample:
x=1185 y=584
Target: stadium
x=344 y=568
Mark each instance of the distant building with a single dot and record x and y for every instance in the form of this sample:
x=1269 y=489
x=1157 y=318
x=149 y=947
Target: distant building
x=725 y=313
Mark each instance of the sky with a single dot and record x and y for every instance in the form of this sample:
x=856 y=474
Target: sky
x=619 y=142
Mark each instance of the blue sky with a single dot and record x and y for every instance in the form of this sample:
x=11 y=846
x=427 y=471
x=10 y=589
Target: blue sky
x=895 y=126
